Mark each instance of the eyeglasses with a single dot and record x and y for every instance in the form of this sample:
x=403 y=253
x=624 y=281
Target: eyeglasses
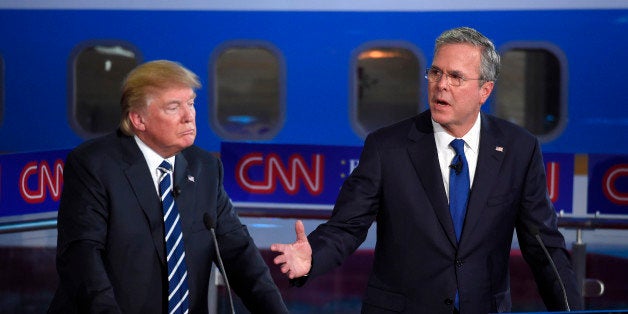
x=435 y=75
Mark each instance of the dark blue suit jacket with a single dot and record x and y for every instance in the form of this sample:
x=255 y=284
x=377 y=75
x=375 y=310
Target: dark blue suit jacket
x=111 y=251
x=417 y=264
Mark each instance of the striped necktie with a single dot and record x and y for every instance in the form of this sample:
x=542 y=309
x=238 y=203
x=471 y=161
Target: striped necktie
x=178 y=293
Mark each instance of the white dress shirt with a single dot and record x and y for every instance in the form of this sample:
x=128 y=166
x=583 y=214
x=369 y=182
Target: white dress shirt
x=446 y=153
x=153 y=160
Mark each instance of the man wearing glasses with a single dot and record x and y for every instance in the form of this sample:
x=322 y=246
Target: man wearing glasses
x=447 y=188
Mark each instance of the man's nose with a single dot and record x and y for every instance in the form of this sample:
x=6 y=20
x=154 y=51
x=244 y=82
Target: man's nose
x=443 y=82
x=188 y=113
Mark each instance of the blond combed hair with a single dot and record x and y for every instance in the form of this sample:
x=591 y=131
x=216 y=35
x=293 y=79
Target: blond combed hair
x=142 y=81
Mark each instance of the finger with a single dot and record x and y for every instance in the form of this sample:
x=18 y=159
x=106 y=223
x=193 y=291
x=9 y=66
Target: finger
x=280 y=259
x=279 y=247
x=284 y=269
x=300 y=230
x=275 y=247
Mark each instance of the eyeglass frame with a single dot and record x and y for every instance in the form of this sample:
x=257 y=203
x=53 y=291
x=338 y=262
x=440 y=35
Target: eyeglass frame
x=450 y=77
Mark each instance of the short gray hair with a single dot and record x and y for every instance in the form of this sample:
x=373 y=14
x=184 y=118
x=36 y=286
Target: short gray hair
x=489 y=63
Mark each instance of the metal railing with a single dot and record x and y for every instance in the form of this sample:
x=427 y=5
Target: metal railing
x=590 y=287
x=578 y=223
x=595 y=222
x=28 y=225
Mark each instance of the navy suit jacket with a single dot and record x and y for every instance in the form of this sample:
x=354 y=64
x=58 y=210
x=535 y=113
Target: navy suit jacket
x=111 y=250
x=417 y=264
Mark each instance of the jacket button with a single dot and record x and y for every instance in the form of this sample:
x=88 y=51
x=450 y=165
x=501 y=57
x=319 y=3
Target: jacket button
x=459 y=263
x=449 y=301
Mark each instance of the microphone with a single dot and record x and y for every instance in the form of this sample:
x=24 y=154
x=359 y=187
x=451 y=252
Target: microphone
x=457 y=166
x=176 y=191
x=210 y=225
x=537 y=235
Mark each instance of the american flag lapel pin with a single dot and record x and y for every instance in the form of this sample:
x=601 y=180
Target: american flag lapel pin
x=191 y=178
x=499 y=149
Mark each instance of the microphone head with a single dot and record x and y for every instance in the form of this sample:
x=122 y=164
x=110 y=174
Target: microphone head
x=534 y=230
x=209 y=221
x=457 y=166
x=176 y=191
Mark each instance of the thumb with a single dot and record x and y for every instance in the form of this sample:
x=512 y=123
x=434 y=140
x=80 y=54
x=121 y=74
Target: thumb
x=300 y=230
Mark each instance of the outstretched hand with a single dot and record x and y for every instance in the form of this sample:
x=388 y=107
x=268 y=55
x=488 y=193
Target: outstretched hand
x=294 y=260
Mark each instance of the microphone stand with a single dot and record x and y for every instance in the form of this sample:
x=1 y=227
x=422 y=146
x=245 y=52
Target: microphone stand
x=209 y=223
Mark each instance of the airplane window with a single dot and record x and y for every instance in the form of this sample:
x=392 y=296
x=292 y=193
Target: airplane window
x=386 y=83
x=530 y=89
x=248 y=92
x=98 y=70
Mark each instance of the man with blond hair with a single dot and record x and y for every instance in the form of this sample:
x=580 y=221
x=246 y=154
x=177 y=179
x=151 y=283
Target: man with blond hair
x=132 y=236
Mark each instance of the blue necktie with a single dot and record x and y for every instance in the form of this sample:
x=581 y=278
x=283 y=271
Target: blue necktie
x=458 y=192
x=458 y=186
x=178 y=293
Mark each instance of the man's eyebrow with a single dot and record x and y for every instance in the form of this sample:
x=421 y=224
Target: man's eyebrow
x=177 y=101
x=456 y=73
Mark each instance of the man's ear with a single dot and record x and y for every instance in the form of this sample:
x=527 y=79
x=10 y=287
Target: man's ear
x=485 y=90
x=137 y=120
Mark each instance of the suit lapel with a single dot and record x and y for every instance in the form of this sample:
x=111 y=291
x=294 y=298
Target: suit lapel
x=143 y=187
x=424 y=158
x=184 y=182
x=490 y=156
